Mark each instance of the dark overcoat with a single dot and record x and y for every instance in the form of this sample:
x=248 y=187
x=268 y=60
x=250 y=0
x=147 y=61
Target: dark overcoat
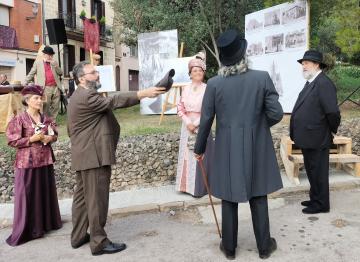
x=246 y=106
x=315 y=115
x=92 y=127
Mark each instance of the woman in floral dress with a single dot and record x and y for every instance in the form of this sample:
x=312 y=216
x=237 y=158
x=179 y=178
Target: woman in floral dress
x=36 y=208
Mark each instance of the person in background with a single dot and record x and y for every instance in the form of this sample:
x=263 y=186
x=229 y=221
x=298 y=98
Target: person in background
x=314 y=120
x=3 y=80
x=48 y=74
x=36 y=208
x=96 y=59
x=246 y=105
x=189 y=179
x=71 y=88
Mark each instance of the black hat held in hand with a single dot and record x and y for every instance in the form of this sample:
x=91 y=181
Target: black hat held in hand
x=167 y=80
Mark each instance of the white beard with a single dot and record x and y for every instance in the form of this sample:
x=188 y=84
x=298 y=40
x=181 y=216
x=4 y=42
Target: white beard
x=308 y=74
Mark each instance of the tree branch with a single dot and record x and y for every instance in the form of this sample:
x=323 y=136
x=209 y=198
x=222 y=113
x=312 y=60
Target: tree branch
x=208 y=47
x=215 y=52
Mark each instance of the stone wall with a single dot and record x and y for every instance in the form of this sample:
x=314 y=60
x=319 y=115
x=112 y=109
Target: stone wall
x=142 y=161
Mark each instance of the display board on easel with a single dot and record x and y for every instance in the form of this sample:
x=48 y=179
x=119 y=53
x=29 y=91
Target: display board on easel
x=277 y=37
x=154 y=48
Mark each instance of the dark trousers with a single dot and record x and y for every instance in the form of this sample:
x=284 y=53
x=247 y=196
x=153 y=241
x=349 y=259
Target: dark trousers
x=317 y=169
x=260 y=219
x=90 y=206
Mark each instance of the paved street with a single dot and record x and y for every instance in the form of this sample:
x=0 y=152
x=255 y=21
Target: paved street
x=191 y=235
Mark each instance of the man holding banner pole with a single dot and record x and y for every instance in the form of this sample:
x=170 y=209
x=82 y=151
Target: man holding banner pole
x=246 y=105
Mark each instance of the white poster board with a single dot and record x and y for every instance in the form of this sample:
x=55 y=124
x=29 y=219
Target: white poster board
x=106 y=74
x=277 y=37
x=154 y=48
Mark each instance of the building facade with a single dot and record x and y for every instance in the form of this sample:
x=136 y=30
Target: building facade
x=126 y=68
x=20 y=37
x=25 y=20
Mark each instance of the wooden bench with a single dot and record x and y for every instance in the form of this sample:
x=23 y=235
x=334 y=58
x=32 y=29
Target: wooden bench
x=340 y=154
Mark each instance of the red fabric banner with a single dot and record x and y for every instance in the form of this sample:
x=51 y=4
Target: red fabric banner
x=91 y=35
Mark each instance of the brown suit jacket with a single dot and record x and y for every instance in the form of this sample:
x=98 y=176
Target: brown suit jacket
x=92 y=127
x=38 y=69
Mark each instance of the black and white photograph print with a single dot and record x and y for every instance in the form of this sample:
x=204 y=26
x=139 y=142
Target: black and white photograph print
x=274 y=43
x=253 y=25
x=276 y=78
x=294 y=12
x=255 y=49
x=272 y=18
x=295 y=39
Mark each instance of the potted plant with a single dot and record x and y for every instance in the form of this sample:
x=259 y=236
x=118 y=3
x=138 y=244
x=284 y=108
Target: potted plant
x=102 y=20
x=82 y=14
x=93 y=19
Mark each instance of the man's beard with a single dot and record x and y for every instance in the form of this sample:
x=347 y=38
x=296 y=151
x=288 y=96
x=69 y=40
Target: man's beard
x=93 y=84
x=309 y=74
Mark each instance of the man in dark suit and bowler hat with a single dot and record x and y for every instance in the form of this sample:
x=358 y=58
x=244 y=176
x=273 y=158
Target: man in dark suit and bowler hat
x=314 y=120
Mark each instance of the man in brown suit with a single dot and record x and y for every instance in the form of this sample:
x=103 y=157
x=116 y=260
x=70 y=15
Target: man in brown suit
x=48 y=74
x=94 y=133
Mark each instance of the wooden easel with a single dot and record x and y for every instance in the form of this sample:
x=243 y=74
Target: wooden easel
x=177 y=89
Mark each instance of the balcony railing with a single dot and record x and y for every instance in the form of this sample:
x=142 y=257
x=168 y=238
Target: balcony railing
x=74 y=23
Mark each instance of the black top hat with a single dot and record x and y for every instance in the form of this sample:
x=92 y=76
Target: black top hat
x=314 y=56
x=231 y=46
x=48 y=50
x=167 y=80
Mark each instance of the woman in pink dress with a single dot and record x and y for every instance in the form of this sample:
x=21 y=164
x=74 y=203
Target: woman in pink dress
x=36 y=208
x=189 y=179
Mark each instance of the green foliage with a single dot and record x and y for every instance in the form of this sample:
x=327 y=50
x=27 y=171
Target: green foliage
x=198 y=22
x=346 y=79
x=102 y=20
x=83 y=14
x=349 y=71
x=347 y=15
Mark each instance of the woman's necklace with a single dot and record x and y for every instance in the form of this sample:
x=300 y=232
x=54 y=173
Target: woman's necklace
x=195 y=87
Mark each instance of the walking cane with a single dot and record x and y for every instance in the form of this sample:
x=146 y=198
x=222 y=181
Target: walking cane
x=209 y=193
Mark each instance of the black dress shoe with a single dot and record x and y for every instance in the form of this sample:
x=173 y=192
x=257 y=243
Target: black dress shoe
x=306 y=203
x=111 y=248
x=85 y=240
x=228 y=254
x=272 y=247
x=315 y=210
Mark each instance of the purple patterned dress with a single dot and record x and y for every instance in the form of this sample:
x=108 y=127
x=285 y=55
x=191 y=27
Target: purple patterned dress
x=36 y=208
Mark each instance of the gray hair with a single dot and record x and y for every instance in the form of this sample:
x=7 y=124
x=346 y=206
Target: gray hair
x=239 y=68
x=25 y=98
x=78 y=70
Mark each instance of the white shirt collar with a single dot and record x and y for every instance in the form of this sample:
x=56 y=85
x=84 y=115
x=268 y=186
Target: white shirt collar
x=313 y=78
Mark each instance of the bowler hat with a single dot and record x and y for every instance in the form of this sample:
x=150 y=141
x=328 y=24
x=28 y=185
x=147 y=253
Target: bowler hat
x=231 y=46
x=167 y=80
x=48 y=50
x=313 y=56
x=32 y=90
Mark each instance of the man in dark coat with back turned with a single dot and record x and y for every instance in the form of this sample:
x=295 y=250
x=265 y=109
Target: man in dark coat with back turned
x=314 y=120
x=246 y=105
